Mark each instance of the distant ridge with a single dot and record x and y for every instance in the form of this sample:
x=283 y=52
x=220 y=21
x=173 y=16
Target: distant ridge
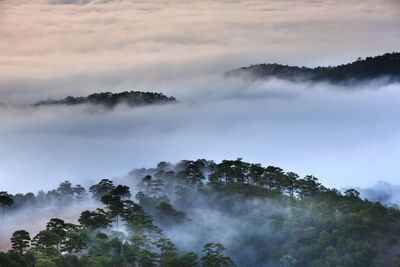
x=110 y=100
x=387 y=65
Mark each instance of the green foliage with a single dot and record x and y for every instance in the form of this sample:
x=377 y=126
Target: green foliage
x=121 y=191
x=20 y=241
x=73 y=242
x=46 y=238
x=15 y=259
x=166 y=215
x=213 y=256
x=104 y=187
x=277 y=219
x=45 y=263
x=114 y=205
x=94 y=220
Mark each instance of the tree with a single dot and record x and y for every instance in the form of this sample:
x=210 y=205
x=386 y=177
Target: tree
x=72 y=242
x=167 y=251
x=166 y=215
x=94 y=220
x=352 y=193
x=152 y=186
x=14 y=259
x=122 y=191
x=213 y=256
x=130 y=210
x=58 y=227
x=114 y=205
x=20 y=241
x=191 y=172
x=187 y=260
x=308 y=186
x=138 y=252
x=104 y=187
x=45 y=263
x=255 y=173
x=56 y=224
x=79 y=191
x=291 y=182
x=46 y=238
x=5 y=200
x=162 y=168
x=275 y=178
x=231 y=171
x=170 y=258
x=65 y=188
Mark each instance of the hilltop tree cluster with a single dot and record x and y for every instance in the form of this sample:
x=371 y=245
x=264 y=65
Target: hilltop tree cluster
x=226 y=214
x=387 y=65
x=110 y=100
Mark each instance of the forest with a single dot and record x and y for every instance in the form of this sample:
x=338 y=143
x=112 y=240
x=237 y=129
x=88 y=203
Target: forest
x=110 y=100
x=202 y=213
x=384 y=66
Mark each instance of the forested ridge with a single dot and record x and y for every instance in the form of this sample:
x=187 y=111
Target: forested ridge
x=383 y=66
x=202 y=213
x=110 y=100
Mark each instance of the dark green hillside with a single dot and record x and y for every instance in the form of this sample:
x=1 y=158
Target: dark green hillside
x=387 y=65
x=110 y=100
x=200 y=213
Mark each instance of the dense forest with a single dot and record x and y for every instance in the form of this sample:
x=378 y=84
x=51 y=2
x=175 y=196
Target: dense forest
x=202 y=213
x=110 y=100
x=387 y=66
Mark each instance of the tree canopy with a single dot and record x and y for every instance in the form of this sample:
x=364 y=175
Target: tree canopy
x=202 y=213
x=387 y=65
x=110 y=100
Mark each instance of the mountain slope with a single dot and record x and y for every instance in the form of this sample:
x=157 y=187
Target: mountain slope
x=187 y=214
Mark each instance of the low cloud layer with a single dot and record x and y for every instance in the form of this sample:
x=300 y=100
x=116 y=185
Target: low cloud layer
x=384 y=192
x=61 y=47
x=344 y=136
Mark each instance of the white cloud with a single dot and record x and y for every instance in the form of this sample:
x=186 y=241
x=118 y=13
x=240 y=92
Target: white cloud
x=344 y=137
x=71 y=47
x=56 y=48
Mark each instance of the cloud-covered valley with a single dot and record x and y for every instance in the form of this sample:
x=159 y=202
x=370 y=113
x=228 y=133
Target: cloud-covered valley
x=345 y=136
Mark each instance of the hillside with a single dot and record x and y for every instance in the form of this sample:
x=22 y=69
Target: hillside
x=387 y=65
x=110 y=100
x=202 y=213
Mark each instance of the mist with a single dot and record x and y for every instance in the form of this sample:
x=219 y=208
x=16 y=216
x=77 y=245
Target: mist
x=180 y=48
x=273 y=122
x=348 y=136
x=79 y=47
x=383 y=192
x=33 y=215
x=256 y=227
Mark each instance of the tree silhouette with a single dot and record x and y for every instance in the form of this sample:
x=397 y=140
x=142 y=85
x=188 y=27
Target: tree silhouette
x=20 y=241
x=5 y=200
x=213 y=256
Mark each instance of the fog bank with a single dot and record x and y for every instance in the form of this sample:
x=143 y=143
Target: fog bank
x=81 y=46
x=344 y=136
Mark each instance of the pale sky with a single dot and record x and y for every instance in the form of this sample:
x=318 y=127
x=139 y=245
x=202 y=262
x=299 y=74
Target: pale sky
x=55 y=47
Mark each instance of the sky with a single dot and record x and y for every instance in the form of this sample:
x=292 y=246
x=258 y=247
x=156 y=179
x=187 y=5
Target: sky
x=346 y=136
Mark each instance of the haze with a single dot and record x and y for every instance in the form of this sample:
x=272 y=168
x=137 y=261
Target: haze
x=346 y=136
